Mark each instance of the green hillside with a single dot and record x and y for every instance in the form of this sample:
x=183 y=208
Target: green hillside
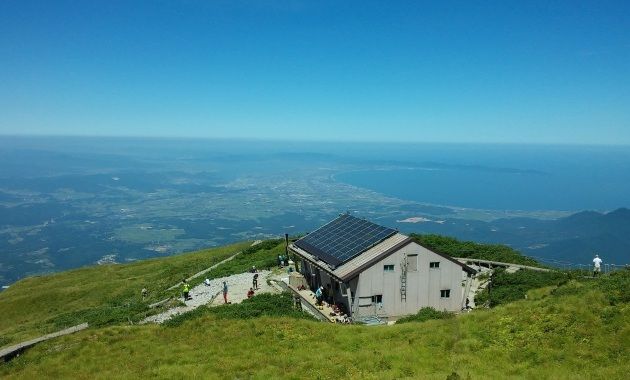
x=102 y=294
x=574 y=328
x=456 y=248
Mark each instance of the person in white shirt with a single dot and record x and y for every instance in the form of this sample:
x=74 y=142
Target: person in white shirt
x=598 y=265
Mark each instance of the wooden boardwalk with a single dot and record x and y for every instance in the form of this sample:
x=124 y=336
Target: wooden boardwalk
x=307 y=299
x=10 y=352
x=468 y=260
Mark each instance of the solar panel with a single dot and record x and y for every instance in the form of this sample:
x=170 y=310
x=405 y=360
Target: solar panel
x=343 y=239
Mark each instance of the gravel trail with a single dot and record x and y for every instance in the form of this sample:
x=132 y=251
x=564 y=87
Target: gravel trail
x=202 y=294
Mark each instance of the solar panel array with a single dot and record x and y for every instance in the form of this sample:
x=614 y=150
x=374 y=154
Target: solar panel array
x=343 y=239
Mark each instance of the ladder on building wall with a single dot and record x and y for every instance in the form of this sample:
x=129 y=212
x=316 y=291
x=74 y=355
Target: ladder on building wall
x=403 y=279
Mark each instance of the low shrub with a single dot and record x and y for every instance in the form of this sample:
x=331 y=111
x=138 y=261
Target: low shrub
x=616 y=286
x=425 y=314
x=178 y=319
x=508 y=287
x=103 y=315
x=265 y=304
x=262 y=246
x=456 y=248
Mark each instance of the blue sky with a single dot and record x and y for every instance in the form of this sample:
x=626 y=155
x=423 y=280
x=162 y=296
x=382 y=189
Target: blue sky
x=504 y=71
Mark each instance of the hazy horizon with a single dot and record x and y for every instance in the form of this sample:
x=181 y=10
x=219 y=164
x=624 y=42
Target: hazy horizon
x=323 y=141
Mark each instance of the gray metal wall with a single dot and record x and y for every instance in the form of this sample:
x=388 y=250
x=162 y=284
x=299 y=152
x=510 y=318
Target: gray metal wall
x=340 y=295
x=423 y=285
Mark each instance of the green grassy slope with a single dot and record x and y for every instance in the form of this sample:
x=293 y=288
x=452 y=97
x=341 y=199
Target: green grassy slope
x=574 y=328
x=574 y=331
x=39 y=305
x=457 y=248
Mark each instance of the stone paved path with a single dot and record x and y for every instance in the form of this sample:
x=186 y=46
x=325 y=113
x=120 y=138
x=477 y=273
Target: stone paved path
x=202 y=294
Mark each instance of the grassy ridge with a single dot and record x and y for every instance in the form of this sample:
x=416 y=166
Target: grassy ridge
x=263 y=256
x=508 y=287
x=100 y=294
x=457 y=248
x=578 y=330
x=567 y=329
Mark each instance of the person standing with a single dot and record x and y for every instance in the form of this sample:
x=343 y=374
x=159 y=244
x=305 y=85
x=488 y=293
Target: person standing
x=255 y=281
x=319 y=295
x=225 y=292
x=186 y=291
x=597 y=263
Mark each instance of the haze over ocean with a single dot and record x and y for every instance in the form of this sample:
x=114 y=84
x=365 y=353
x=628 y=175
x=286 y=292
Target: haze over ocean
x=526 y=177
x=508 y=177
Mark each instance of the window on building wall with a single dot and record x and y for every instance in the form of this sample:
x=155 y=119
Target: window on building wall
x=434 y=264
x=445 y=293
x=377 y=298
x=388 y=268
x=412 y=263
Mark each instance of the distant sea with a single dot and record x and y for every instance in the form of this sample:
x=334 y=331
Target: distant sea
x=67 y=202
x=504 y=177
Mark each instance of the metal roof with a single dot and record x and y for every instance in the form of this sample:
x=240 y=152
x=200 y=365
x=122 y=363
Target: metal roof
x=351 y=268
x=343 y=239
x=373 y=254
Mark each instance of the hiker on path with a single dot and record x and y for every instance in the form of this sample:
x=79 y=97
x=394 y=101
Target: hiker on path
x=207 y=281
x=598 y=265
x=255 y=281
x=186 y=291
x=250 y=293
x=225 y=291
x=319 y=295
x=468 y=307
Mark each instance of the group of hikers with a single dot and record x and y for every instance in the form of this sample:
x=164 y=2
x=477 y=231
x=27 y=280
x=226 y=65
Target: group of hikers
x=250 y=292
x=186 y=289
x=282 y=260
